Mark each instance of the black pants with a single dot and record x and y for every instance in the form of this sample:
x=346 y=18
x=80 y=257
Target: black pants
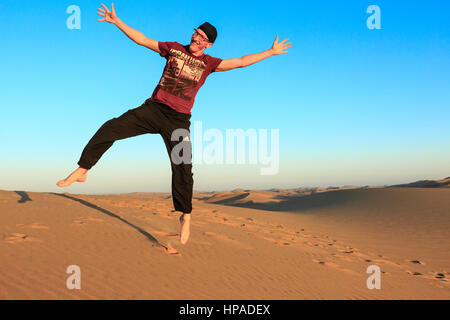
x=150 y=117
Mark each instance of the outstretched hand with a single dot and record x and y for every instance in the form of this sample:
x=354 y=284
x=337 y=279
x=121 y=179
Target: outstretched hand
x=109 y=16
x=279 y=47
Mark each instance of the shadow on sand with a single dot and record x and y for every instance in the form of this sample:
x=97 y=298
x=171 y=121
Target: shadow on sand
x=24 y=196
x=111 y=214
x=295 y=203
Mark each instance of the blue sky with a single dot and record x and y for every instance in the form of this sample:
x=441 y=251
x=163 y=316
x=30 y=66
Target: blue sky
x=353 y=106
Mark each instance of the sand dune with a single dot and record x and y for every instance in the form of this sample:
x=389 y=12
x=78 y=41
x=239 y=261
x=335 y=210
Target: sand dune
x=305 y=243
x=443 y=183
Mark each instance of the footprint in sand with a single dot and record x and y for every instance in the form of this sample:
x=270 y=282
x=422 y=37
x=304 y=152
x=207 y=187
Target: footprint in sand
x=20 y=237
x=438 y=276
x=416 y=262
x=84 y=220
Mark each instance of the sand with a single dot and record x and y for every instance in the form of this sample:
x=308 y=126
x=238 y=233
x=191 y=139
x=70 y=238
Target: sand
x=305 y=243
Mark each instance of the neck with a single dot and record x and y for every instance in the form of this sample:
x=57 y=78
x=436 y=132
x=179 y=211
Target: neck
x=198 y=54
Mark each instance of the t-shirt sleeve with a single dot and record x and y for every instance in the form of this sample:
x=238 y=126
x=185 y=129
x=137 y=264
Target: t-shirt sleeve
x=164 y=48
x=214 y=62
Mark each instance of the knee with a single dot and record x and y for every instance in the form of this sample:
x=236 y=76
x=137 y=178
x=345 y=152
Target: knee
x=110 y=122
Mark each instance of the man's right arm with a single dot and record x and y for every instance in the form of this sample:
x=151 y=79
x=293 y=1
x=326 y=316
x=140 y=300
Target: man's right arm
x=136 y=36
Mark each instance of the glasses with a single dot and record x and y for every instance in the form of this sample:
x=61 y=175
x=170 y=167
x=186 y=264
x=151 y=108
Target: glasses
x=203 y=38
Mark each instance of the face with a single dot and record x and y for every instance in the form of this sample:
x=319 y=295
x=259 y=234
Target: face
x=198 y=41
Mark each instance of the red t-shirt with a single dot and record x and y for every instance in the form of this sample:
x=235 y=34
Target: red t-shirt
x=182 y=77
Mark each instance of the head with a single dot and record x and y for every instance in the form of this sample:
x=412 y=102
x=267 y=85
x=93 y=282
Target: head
x=202 y=38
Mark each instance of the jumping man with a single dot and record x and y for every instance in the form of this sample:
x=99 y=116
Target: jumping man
x=169 y=107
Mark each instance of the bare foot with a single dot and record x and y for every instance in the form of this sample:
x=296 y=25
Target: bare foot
x=185 y=220
x=79 y=175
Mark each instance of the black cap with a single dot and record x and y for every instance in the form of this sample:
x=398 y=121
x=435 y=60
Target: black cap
x=210 y=31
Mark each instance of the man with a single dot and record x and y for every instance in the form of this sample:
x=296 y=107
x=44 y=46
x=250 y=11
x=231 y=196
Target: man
x=169 y=107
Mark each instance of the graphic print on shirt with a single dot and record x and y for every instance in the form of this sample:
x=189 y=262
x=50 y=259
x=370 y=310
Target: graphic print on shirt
x=182 y=74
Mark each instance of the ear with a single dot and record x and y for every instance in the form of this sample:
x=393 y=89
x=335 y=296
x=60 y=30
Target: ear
x=209 y=45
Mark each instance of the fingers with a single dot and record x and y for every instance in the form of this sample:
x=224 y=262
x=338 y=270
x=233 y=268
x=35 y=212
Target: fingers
x=112 y=8
x=105 y=8
x=282 y=47
x=282 y=42
x=102 y=13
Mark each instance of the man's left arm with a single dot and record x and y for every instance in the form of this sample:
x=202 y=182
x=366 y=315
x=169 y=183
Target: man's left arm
x=277 y=48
